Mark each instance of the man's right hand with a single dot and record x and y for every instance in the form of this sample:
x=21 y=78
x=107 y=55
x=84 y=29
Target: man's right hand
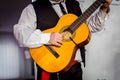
x=56 y=39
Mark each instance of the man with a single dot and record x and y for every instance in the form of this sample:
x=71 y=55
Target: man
x=44 y=14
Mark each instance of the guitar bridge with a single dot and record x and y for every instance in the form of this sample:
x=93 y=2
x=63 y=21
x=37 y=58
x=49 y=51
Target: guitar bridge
x=52 y=51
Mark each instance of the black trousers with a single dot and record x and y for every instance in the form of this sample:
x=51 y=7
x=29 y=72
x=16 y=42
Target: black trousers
x=74 y=73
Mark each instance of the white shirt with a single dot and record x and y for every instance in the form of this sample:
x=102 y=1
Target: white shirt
x=28 y=36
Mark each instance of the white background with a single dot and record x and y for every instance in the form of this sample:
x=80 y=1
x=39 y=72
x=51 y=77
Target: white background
x=103 y=52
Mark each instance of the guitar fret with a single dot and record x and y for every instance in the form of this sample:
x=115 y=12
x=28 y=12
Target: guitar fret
x=87 y=13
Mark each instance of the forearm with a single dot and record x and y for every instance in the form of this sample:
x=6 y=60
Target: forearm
x=96 y=22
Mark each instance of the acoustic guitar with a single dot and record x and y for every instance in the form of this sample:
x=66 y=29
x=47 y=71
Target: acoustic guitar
x=76 y=33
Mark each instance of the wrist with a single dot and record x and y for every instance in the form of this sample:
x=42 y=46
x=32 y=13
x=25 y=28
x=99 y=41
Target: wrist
x=105 y=9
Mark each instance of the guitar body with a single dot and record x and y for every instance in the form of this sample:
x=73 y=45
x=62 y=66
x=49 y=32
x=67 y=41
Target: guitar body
x=47 y=61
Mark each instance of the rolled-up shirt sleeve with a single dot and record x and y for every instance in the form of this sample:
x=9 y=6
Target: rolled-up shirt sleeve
x=96 y=21
x=25 y=30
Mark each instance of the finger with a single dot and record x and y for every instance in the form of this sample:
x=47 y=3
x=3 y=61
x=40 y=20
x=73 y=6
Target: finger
x=57 y=44
x=59 y=41
x=62 y=34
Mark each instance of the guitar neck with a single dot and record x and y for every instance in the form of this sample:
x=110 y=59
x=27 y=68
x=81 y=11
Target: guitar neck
x=85 y=15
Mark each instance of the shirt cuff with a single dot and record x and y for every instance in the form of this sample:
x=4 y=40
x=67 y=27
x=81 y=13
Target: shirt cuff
x=45 y=37
x=37 y=39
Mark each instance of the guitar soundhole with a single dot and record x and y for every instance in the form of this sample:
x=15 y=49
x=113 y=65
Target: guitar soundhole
x=67 y=33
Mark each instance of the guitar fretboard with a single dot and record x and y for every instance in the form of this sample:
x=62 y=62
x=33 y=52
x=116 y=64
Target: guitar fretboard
x=85 y=15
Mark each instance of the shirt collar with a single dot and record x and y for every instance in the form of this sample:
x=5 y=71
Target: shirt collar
x=54 y=2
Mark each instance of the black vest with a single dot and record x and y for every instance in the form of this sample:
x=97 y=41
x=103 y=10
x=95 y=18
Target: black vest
x=47 y=17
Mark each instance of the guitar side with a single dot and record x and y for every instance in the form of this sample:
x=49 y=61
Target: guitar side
x=47 y=61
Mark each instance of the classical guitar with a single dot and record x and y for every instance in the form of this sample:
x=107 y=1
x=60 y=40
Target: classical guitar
x=54 y=59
